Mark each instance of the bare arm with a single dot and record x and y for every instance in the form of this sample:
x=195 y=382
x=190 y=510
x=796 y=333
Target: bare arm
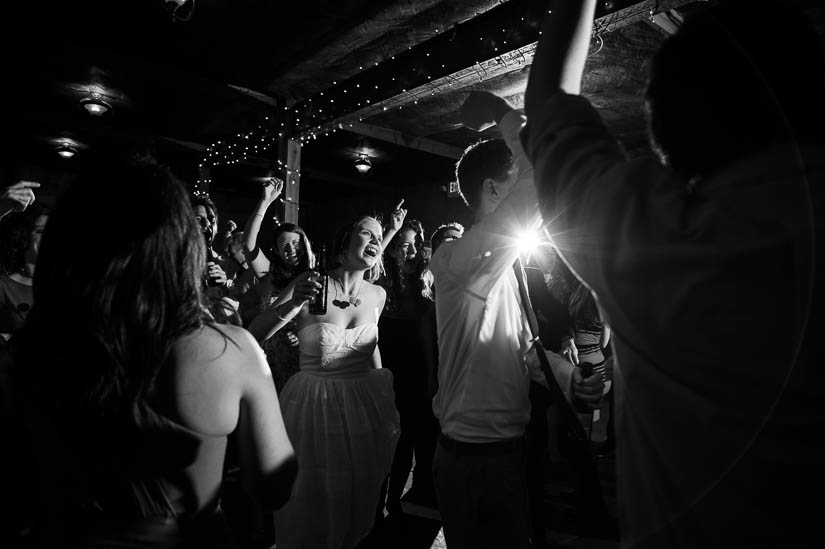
x=268 y=463
x=396 y=220
x=257 y=260
x=561 y=52
x=303 y=288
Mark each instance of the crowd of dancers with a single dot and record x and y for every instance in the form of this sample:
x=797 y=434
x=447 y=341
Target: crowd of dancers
x=160 y=358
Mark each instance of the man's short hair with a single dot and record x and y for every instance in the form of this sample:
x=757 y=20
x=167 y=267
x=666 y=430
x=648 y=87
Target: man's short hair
x=489 y=158
x=437 y=238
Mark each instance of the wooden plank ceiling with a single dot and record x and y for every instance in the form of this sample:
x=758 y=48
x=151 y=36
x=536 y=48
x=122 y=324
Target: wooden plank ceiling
x=347 y=76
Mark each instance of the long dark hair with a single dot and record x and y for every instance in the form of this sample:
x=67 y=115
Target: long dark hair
x=282 y=273
x=395 y=281
x=113 y=309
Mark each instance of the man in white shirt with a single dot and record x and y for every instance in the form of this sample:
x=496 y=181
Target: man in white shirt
x=486 y=358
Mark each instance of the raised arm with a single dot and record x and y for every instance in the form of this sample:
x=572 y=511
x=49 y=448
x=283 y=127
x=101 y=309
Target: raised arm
x=17 y=197
x=272 y=189
x=561 y=52
x=396 y=221
x=490 y=247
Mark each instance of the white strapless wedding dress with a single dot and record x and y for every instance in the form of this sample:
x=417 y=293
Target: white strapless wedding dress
x=340 y=415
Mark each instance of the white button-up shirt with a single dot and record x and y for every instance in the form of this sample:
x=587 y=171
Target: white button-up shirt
x=483 y=335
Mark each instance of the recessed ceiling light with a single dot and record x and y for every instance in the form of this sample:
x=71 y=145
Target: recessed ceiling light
x=66 y=150
x=95 y=104
x=362 y=163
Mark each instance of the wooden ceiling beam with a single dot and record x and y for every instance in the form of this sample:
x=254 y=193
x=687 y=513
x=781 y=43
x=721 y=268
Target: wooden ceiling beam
x=396 y=28
x=262 y=97
x=484 y=71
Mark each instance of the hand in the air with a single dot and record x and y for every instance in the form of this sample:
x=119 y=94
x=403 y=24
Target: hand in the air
x=272 y=189
x=397 y=216
x=17 y=197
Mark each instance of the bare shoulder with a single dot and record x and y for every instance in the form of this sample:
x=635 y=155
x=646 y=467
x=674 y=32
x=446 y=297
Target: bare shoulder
x=223 y=346
x=378 y=297
x=214 y=368
x=378 y=291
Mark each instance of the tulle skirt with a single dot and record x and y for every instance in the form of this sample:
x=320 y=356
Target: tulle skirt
x=344 y=429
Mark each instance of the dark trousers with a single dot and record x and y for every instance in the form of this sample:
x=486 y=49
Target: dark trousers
x=402 y=353
x=481 y=494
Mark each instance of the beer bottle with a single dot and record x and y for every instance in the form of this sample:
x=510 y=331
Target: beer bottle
x=318 y=306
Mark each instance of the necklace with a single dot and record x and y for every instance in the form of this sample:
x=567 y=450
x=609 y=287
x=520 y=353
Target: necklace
x=353 y=300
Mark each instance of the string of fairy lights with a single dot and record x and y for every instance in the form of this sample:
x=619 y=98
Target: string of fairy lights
x=435 y=66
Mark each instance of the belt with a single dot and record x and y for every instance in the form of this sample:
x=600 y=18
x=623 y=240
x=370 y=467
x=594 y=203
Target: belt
x=497 y=448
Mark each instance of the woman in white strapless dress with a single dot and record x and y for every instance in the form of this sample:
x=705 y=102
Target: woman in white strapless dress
x=339 y=409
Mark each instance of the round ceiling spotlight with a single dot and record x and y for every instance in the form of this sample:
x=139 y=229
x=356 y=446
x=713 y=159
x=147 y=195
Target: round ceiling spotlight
x=66 y=150
x=362 y=163
x=95 y=104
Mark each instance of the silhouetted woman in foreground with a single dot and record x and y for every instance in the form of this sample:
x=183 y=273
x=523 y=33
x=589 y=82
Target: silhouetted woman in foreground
x=124 y=388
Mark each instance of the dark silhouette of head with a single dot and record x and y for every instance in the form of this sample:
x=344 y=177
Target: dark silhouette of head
x=490 y=158
x=113 y=309
x=736 y=78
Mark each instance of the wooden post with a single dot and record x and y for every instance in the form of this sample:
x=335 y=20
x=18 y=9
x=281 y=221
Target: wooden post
x=292 y=184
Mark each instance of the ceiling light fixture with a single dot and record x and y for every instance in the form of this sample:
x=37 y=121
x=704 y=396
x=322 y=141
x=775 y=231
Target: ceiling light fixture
x=362 y=163
x=65 y=150
x=95 y=104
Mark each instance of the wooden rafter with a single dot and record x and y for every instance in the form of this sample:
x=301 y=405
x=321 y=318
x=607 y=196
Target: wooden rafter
x=493 y=68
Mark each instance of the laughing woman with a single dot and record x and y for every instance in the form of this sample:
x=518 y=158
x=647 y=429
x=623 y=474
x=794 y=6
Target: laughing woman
x=339 y=409
x=291 y=255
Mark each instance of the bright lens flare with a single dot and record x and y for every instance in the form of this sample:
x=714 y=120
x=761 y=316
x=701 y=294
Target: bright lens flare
x=527 y=242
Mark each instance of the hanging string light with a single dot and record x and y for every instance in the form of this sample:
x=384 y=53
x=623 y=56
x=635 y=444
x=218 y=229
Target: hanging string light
x=433 y=67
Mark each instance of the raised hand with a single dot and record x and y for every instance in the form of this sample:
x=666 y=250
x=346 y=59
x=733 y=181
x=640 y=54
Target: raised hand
x=272 y=189
x=397 y=216
x=17 y=197
x=482 y=109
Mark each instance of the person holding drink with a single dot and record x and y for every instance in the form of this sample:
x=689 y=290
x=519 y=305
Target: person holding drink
x=339 y=408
